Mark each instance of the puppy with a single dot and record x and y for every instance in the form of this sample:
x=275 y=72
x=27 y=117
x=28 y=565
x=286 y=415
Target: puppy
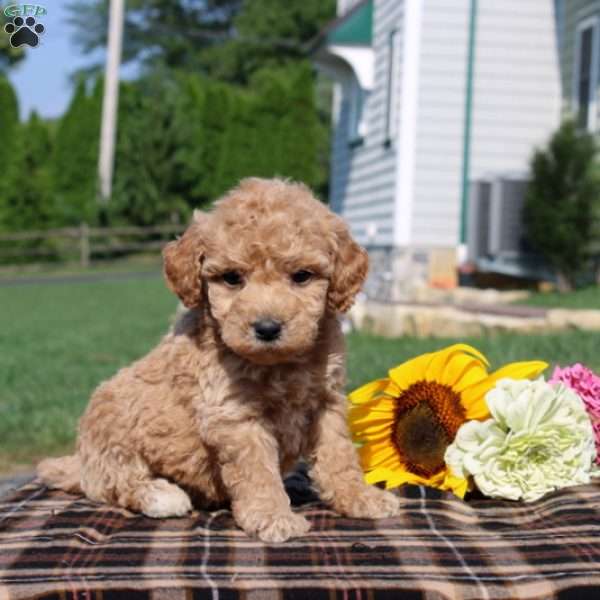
x=249 y=380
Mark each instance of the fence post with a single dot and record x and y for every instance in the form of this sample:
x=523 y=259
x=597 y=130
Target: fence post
x=84 y=245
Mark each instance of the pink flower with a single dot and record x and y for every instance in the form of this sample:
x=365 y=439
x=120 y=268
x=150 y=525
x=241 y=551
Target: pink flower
x=587 y=385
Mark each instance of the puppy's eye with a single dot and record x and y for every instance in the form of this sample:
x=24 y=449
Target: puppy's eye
x=301 y=276
x=232 y=278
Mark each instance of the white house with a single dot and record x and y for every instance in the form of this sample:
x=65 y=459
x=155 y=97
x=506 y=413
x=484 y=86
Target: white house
x=432 y=97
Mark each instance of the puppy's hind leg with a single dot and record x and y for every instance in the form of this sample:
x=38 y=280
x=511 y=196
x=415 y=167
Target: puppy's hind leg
x=159 y=498
x=62 y=473
x=132 y=486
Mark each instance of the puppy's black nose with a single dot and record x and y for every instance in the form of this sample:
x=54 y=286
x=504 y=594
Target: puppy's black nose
x=267 y=330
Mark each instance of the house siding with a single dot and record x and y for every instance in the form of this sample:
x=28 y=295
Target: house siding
x=516 y=102
x=517 y=93
x=440 y=123
x=362 y=179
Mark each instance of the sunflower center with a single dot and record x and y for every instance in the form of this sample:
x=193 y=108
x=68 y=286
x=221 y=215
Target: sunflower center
x=427 y=419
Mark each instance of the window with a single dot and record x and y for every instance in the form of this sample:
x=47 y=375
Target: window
x=391 y=112
x=585 y=73
x=356 y=117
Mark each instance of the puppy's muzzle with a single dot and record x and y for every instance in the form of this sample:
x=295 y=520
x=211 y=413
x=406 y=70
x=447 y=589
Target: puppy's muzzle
x=267 y=330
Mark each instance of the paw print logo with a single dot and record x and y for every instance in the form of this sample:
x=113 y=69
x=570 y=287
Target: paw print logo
x=24 y=31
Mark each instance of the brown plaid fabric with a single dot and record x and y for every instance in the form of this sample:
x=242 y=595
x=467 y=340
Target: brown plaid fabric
x=53 y=545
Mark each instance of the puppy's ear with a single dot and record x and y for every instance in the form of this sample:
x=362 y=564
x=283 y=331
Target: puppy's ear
x=183 y=261
x=350 y=270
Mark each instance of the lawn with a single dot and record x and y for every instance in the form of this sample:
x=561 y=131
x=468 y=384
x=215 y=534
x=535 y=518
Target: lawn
x=585 y=298
x=58 y=341
x=139 y=263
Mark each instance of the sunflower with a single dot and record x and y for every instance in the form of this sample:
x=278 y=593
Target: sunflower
x=405 y=422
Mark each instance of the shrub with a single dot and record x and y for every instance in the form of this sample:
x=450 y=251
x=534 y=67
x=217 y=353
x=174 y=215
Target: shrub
x=9 y=122
x=560 y=202
x=184 y=139
x=75 y=159
x=149 y=188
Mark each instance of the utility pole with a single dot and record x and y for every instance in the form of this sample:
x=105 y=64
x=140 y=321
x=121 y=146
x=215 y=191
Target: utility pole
x=110 y=101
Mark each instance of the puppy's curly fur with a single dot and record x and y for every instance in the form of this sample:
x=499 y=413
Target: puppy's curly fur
x=215 y=413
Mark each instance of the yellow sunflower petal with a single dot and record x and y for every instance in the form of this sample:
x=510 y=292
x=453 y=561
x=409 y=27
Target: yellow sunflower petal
x=471 y=376
x=372 y=421
x=391 y=462
x=398 y=475
x=403 y=476
x=436 y=369
x=461 y=367
x=368 y=392
x=366 y=419
x=382 y=406
x=457 y=485
x=393 y=477
x=371 y=455
x=392 y=389
x=473 y=397
x=477 y=410
x=436 y=366
x=410 y=371
x=378 y=475
x=388 y=461
x=373 y=433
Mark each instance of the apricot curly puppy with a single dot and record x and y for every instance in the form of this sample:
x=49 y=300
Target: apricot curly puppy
x=249 y=380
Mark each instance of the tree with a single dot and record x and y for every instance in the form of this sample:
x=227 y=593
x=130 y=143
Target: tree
x=204 y=111
x=156 y=32
x=286 y=116
x=28 y=202
x=269 y=33
x=75 y=159
x=9 y=122
x=185 y=139
x=151 y=184
x=560 y=202
x=9 y=119
x=229 y=40
x=27 y=199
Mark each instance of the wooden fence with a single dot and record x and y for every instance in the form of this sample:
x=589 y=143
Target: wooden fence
x=84 y=242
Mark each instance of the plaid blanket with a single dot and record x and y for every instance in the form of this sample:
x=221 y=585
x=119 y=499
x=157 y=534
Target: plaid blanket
x=53 y=545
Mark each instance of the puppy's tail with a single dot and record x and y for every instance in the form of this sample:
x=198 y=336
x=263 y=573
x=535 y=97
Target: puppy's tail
x=62 y=473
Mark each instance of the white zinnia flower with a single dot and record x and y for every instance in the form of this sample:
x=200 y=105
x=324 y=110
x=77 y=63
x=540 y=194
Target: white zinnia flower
x=539 y=439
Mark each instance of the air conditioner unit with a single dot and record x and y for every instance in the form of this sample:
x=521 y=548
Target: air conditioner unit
x=478 y=244
x=497 y=240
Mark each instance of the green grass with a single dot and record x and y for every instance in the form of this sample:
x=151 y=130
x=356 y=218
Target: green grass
x=58 y=341
x=134 y=263
x=585 y=298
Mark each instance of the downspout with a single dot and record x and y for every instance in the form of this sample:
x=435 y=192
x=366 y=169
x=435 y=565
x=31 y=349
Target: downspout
x=464 y=205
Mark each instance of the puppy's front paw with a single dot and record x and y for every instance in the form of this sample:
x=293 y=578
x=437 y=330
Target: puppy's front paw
x=369 y=502
x=160 y=499
x=274 y=527
x=283 y=527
